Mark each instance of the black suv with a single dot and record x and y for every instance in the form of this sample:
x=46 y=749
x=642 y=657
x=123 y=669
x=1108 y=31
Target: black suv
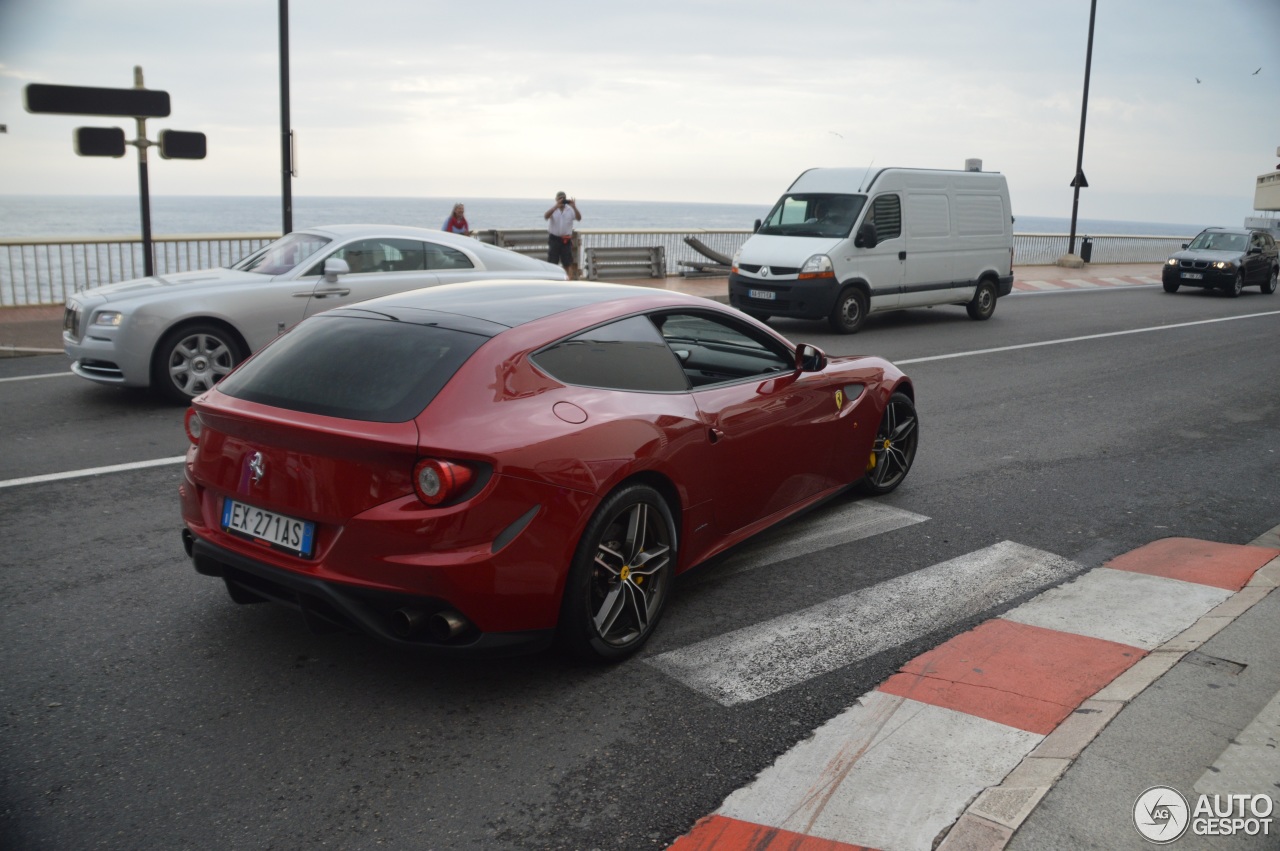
x=1228 y=259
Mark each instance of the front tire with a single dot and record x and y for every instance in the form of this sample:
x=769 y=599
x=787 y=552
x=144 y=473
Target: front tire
x=1171 y=286
x=191 y=359
x=894 y=450
x=850 y=311
x=983 y=303
x=1236 y=286
x=620 y=576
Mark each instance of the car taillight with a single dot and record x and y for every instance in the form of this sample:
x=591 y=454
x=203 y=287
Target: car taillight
x=437 y=482
x=193 y=426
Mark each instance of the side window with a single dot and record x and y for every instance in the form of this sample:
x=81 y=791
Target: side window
x=444 y=257
x=377 y=255
x=625 y=355
x=712 y=349
x=886 y=214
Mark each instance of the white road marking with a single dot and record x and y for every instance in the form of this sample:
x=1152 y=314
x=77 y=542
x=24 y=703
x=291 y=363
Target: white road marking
x=1041 y=285
x=33 y=377
x=1080 y=282
x=92 y=471
x=765 y=658
x=1119 y=282
x=888 y=772
x=1085 y=338
x=1146 y=280
x=827 y=527
x=1122 y=606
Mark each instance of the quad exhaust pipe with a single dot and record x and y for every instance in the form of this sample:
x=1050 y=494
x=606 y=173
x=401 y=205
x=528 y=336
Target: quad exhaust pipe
x=406 y=623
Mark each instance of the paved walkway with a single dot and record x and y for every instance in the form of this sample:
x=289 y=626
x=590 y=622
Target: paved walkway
x=38 y=330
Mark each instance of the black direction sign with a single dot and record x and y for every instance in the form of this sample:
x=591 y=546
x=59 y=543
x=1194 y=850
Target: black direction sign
x=182 y=145
x=99 y=141
x=86 y=100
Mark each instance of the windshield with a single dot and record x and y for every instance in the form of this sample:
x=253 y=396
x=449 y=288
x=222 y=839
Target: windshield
x=283 y=255
x=1218 y=242
x=813 y=214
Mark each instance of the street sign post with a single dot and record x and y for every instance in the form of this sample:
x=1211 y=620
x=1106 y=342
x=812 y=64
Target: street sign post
x=138 y=103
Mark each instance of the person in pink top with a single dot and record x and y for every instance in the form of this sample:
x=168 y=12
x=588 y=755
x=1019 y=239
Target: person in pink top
x=457 y=223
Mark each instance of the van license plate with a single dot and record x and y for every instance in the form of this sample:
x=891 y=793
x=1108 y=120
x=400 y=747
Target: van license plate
x=281 y=532
x=764 y=295
x=1195 y=276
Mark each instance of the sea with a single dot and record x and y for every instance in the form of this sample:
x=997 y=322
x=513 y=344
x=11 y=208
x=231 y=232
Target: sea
x=120 y=215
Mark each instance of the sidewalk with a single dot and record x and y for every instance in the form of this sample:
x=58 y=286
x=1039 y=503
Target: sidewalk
x=1140 y=700
x=38 y=330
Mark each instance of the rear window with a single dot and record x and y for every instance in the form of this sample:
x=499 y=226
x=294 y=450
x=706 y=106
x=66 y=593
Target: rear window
x=371 y=369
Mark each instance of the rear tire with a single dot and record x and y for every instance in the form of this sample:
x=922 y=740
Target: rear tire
x=983 y=303
x=620 y=577
x=850 y=311
x=1269 y=285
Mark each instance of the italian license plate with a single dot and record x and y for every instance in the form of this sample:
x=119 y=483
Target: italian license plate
x=257 y=524
x=1195 y=276
x=765 y=295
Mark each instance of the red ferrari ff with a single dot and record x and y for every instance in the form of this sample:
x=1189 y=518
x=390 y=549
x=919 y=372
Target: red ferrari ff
x=486 y=467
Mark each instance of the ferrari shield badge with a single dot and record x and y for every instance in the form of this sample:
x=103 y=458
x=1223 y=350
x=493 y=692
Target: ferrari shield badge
x=839 y=399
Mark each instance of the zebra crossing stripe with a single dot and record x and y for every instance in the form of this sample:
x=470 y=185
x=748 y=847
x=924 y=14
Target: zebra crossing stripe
x=762 y=659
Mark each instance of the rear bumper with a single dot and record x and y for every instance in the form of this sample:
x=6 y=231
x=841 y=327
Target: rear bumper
x=327 y=605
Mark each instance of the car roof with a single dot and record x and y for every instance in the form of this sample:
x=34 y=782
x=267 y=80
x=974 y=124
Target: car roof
x=349 y=231
x=1229 y=230
x=505 y=304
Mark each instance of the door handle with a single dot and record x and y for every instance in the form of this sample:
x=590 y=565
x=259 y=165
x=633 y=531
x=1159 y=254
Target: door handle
x=902 y=255
x=326 y=293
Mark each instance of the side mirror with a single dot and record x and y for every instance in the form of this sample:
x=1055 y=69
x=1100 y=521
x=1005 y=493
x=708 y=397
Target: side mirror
x=866 y=237
x=1184 y=245
x=756 y=227
x=1255 y=250
x=333 y=267
x=810 y=358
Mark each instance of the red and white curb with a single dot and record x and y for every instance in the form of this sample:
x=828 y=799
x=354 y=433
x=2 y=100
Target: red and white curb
x=965 y=740
x=1060 y=284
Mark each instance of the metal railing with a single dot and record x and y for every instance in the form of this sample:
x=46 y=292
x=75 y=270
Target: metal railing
x=47 y=270
x=37 y=270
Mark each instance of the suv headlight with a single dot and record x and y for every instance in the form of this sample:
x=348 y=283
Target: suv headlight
x=1172 y=261
x=1225 y=265
x=817 y=266
x=109 y=318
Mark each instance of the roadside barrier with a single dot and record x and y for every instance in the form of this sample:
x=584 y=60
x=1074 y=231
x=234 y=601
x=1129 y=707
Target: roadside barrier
x=35 y=270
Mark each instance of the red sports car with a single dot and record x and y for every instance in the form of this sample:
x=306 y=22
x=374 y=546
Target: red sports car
x=485 y=467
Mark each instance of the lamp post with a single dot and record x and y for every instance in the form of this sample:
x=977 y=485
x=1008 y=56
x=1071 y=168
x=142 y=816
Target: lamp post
x=1079 y=181
x=286 y=135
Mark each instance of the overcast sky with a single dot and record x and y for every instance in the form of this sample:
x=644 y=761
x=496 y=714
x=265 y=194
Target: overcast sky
x=693 y=100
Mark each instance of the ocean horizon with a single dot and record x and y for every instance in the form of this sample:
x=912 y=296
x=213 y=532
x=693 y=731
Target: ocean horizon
x=23 y=216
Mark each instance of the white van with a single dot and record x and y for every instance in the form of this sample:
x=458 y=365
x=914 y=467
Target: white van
x=846 y=242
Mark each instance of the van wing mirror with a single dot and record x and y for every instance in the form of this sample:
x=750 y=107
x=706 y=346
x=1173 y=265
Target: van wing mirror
x=866 y=237
x=756 y=227
x=810 y=358
x=333 y=267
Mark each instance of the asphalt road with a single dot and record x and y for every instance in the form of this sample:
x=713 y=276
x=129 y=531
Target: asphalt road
x=141 y=709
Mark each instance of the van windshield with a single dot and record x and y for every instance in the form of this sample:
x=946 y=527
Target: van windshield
x=813 y=214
